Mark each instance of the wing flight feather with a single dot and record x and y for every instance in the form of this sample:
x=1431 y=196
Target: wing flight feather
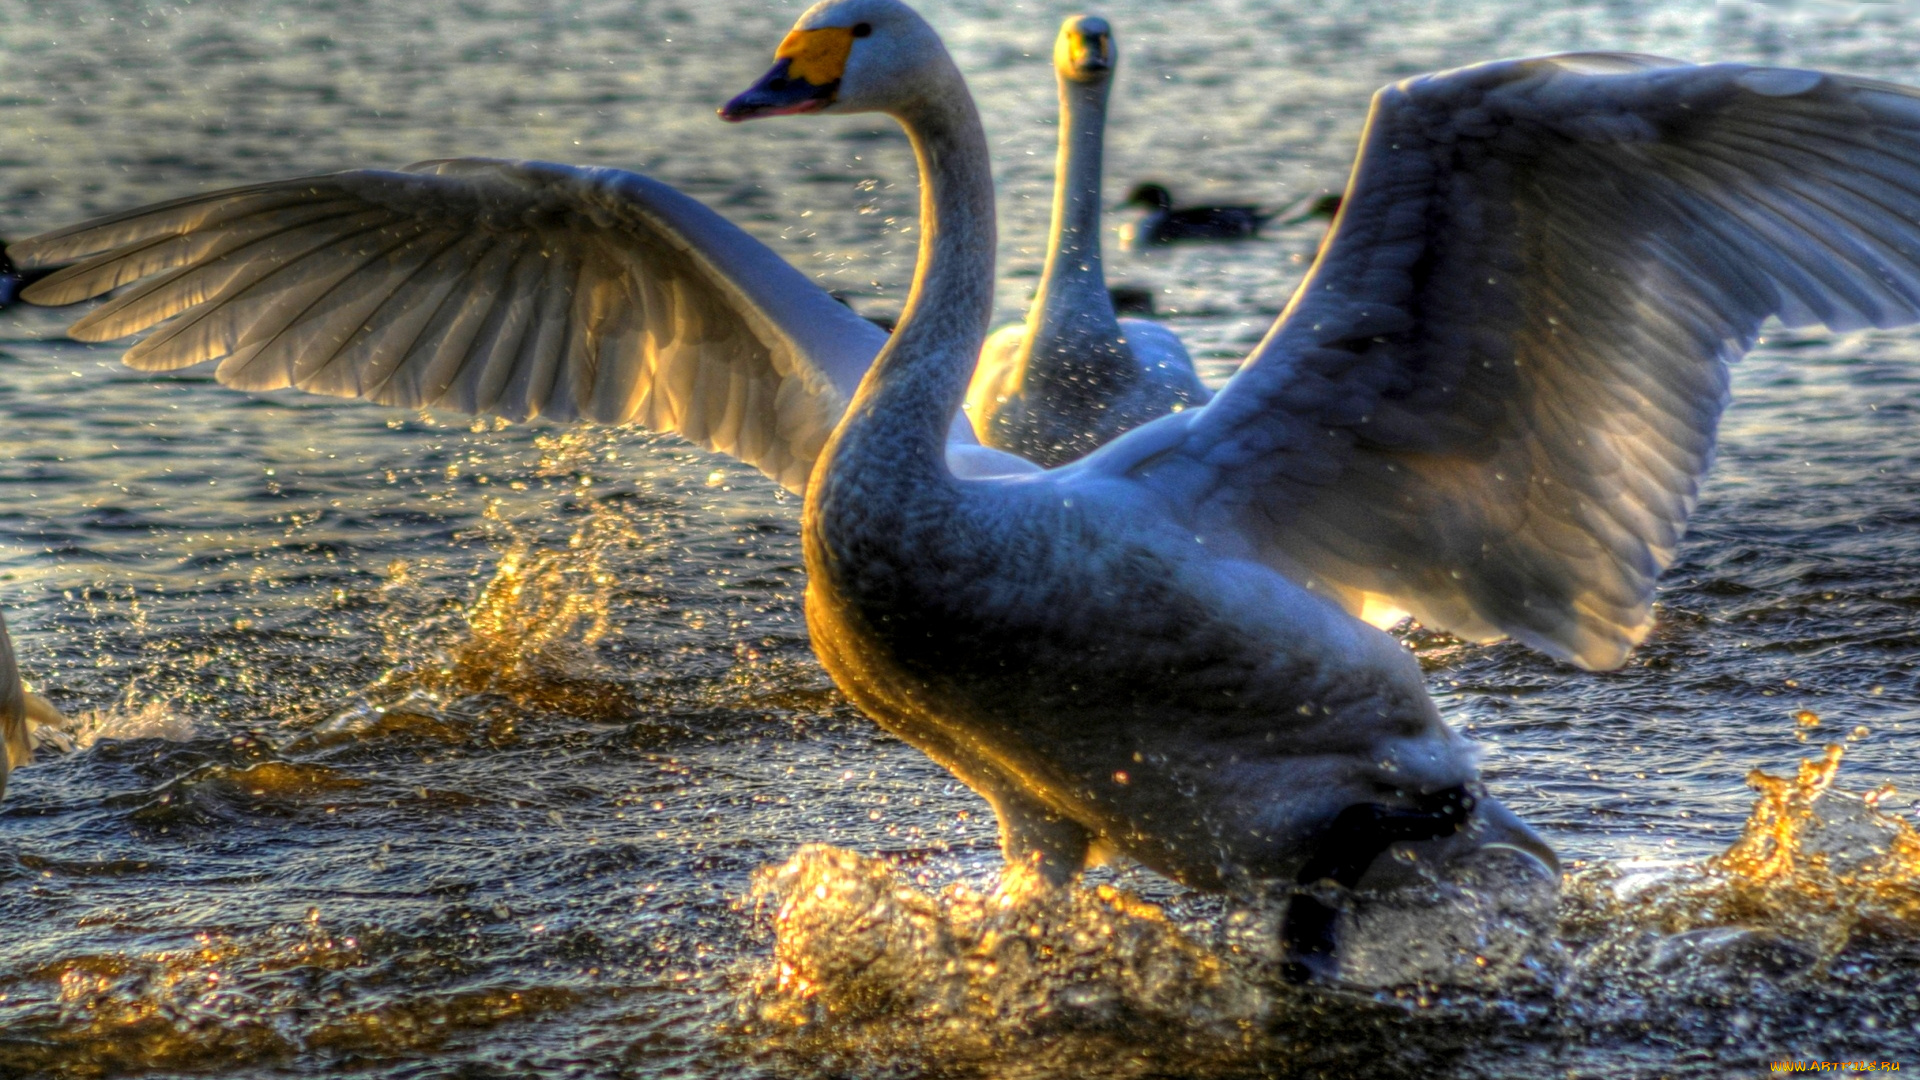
x=512 y=288
x=1493 y=398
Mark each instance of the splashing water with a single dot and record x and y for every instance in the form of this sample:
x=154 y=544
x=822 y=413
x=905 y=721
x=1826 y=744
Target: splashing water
x=1815 y=872
x=130 y=718
x=531 y=629
x=868 y=967
x=528 y=635
x=1813 y=855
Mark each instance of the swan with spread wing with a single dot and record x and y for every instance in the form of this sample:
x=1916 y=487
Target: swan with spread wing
x=1074 y=374
x=1490 y=403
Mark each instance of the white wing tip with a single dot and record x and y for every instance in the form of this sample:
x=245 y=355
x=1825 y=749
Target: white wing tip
x=1779 y=82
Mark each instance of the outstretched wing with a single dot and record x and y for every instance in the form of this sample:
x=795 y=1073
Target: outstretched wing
x=1492 y=400
x=492 y=287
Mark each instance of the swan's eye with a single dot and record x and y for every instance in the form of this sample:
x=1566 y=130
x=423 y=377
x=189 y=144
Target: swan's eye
x=862 y=29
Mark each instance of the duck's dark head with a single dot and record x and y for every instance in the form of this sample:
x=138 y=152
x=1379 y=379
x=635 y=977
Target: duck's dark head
x=1152 y=196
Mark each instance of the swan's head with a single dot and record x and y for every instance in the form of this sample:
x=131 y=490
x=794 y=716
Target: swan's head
x=1152 y=196
x=847 y=56
x=1085 y=51
x=1390 y=824
x=1414 y=850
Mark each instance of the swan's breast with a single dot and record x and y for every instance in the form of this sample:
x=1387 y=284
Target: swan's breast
x=1104 y=662
x=1076 y=384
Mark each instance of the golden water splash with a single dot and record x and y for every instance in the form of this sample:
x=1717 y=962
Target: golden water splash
x=1814 y=866
x=542 y=609
x=528 y=635
x=870 y=967
x=131 y=718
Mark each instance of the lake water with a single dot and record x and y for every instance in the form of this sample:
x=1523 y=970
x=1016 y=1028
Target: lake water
x=412 y=747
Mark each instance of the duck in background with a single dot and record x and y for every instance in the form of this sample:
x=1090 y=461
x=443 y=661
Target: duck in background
x=1074 y=374
x=1164 y=223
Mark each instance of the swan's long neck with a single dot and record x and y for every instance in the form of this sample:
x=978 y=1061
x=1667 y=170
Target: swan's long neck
x=1073 y=299
x=894 y=433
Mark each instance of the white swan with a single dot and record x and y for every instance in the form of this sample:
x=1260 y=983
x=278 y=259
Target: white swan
x=20 y=711
x=1490 y=403
x=1073 y=375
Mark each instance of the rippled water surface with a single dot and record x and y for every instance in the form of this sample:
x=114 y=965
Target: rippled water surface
x=409 y=747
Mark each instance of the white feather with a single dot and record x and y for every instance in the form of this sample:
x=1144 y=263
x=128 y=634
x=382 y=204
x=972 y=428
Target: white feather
x=516 y=288
x=1492 y=400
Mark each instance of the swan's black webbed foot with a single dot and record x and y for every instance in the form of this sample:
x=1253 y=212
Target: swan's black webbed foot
x=1362 y=833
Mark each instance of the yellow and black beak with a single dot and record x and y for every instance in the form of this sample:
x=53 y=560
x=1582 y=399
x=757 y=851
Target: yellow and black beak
x=805 y=76
x=1090 y=53
x=1084 y=50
